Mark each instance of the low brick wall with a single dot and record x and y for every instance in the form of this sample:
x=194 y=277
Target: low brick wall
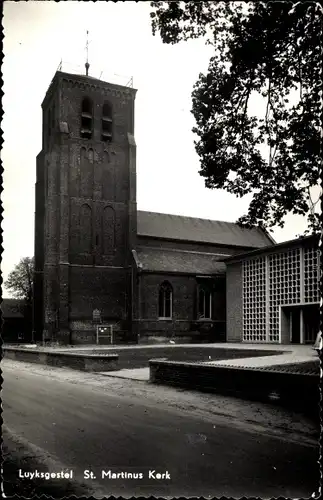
x=76 y=361
x=295 y=390
x=160 y=339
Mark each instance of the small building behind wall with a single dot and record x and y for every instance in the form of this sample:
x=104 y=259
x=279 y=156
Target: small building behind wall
x=273 y=294
x=15 y=328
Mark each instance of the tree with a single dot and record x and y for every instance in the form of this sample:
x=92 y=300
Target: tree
x=273 y=50
x=20 y=280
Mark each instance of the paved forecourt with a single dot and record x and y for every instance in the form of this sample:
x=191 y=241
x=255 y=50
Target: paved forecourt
x=293 y=354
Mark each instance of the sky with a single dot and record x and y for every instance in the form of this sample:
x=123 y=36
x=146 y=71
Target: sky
x=38 y=35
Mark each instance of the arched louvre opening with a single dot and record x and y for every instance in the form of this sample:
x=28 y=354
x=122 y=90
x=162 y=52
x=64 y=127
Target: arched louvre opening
x=106 y=132
x=86 y=118
x=165 y=300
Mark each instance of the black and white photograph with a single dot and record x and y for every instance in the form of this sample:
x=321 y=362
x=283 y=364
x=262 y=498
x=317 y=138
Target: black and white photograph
x=161 y=255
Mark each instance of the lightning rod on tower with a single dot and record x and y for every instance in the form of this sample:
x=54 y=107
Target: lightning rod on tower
x=87 y=65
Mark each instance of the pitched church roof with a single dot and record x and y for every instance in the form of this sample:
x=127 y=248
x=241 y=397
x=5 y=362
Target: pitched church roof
x=178 y=227
x=179 y=261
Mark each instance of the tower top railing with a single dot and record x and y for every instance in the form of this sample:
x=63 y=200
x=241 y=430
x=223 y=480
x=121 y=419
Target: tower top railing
x=96 y=72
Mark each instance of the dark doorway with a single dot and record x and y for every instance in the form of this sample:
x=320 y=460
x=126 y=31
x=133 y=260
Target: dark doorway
x=311 y=315
x=295 y=325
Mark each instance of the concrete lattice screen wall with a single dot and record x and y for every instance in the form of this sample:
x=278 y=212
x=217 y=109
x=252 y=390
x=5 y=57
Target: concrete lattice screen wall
x=272 y=282
x=311 y=275
x=284 y=286
x=254 y=300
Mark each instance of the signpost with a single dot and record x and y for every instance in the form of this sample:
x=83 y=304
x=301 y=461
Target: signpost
x=105 y=332
x=102 y=331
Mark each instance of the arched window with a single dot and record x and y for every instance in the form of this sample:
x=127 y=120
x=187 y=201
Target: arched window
x=204 y=303
x=106 y=122
x=165 y=302
x=86 y=118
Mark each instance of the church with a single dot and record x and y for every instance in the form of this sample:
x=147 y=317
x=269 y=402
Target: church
x=99 y=260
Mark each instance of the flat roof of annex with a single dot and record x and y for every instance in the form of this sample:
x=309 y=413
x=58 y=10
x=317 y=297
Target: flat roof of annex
x=85 y=80
x=302 y=241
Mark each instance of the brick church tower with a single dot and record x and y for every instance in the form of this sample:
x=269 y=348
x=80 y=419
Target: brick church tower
x=86 y=213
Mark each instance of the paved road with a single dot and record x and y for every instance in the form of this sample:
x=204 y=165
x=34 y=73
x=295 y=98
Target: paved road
x=84 y=427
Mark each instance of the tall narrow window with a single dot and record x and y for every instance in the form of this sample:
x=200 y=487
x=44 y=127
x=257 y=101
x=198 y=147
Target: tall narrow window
x=205 y=304
x=109 y=230
x=107 y=122
x=86 y=118
x=83 y=156
x=91 y=155
x=85 y=229
x=165 y=303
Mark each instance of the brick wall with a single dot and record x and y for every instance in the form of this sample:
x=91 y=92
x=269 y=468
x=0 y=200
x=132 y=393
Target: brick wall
x=38 y=315
x=234 y=302
x=85 y=218
x=184 y=319
x=183 y=295
x=98 y=288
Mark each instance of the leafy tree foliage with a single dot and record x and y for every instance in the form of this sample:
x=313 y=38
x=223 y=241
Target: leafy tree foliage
x=20 y=280
x=273 y=50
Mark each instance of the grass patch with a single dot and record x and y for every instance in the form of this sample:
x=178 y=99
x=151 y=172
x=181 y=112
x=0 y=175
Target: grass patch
x=139 y=357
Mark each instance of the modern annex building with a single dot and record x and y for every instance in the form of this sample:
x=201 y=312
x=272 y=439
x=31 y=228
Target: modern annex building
x=97 y=258
x=273 y=294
